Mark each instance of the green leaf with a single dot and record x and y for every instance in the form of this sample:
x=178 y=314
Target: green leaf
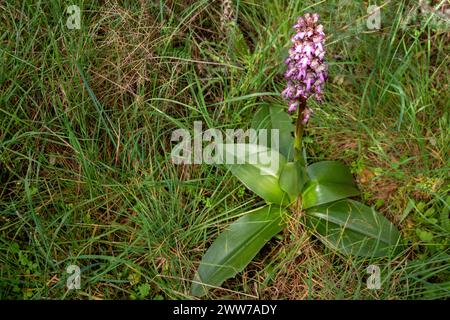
x=258 y=168
x=330 y=181
x=353 y=228
x=274 y=117
x=424 y=235
x=292 y=179
x=445 y=221
x=240 y=45
x=236 y=247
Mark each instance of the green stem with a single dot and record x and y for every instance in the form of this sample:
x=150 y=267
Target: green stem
x=298 y=154
x=299 y=128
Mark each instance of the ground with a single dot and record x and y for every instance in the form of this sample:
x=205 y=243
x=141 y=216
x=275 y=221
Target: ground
x=86 y=117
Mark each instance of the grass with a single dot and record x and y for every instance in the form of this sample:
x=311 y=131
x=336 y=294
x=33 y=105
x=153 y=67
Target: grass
x=86 y=118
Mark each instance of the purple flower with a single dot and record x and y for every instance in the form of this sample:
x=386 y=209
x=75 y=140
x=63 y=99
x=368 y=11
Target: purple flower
x=307 y=71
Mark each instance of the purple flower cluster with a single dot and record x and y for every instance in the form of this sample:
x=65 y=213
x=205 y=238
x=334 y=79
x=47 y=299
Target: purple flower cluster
x=307 y=72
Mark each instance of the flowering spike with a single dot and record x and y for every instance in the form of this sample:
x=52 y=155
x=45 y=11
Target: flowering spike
x=307 y=71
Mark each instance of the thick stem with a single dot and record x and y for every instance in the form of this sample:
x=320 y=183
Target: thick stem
x=299 y=127
x=298 y=155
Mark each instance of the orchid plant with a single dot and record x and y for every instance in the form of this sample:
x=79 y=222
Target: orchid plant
x=320 y=191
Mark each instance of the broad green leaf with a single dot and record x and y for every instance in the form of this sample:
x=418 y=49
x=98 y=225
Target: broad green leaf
x=274 y=117
x=258 y=168
x=353 y=228
x=330 y=181
x=292 y=179
x=236 y=247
